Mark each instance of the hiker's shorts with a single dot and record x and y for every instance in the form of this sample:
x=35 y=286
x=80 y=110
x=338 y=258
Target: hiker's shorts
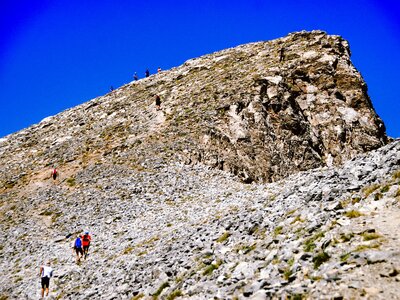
x=78 y=250
x=45 y=282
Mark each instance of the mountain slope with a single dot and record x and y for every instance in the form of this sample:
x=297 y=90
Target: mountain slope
x=241 y=110
x=166 y=194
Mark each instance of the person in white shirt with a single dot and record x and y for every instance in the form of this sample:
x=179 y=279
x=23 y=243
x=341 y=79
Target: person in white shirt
x=46 y=272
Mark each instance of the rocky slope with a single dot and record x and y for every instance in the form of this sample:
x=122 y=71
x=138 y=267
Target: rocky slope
x=241 y=110
x=166 y=194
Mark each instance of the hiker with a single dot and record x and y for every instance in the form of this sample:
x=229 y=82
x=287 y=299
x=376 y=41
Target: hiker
x=46 y=272
x=158 y=70
x=158 y=102
x=282 y=54
x=86 y=239
x=111 y=88
x=78 y=248
x=147 y=73
x=135 y=77
x=54 y=173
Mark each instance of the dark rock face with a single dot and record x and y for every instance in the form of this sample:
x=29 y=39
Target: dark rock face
x=305 y=106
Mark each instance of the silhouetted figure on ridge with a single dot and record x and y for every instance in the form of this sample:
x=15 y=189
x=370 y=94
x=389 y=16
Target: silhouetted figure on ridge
x=147 y=73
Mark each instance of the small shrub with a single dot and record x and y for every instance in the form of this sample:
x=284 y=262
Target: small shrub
x=275 y=261
x=366 y=247
x=291 y=262
x=369 y=190
x=297 y=219
x=309 y=244
x=247 y=249
x=291 y=212
x=223 y=237
x=160 y=289
x=353 y=214
x=355 y=200
x=345 y=257
x=46 y=213
x=71 y=181
x=319 y=259
x=396 y=174
x=209 y=269
x=55 y=217
x=287 y=273
x=368 y=236
x=137 y=297
x=297 y=297
x=128 y=250
x=397 y=194
x=378 y=196
x=278 y=230
x=385 y=189
x=346 y=237
x=174 y=294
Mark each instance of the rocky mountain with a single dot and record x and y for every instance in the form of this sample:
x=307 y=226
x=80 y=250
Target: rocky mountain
x=256 y=179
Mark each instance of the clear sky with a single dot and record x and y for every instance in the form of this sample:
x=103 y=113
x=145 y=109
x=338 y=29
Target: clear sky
x=56 y=54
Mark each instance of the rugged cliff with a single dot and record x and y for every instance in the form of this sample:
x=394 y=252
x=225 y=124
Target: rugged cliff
x=166 y=194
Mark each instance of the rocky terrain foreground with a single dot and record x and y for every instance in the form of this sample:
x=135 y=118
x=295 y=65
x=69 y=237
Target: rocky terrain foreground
x=266 y=175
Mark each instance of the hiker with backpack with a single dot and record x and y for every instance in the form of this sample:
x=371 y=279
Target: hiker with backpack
x=78 y=248
x=54 y=173
x=86 y=239
x=147 y=73
x=46 y=272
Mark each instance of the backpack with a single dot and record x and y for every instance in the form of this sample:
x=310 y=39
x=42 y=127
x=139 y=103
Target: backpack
x=86 y=238
x=78 y=243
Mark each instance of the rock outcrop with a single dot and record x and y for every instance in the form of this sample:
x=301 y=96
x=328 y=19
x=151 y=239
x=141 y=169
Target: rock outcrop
x=166 y=194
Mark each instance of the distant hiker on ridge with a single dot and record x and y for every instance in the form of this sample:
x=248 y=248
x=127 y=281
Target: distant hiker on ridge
x=54 y=173
x=158 y=102
x=78 y=248
x=158 y=70
x=147 y=73
x=46 y=272
x=111 y=88
x=86 y=239
x=135 y=77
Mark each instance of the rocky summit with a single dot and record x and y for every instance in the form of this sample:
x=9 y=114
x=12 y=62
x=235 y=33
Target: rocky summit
x=264 y=174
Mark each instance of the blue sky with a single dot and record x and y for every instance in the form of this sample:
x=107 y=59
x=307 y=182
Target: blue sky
x=56 y=54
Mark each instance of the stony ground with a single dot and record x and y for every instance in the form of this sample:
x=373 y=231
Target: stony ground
x=190 y=231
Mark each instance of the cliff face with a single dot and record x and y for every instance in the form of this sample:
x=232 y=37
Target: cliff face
x=165 y=195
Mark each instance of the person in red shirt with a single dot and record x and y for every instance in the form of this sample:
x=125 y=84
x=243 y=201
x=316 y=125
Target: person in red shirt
x=54 y=173
x=86 y=239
